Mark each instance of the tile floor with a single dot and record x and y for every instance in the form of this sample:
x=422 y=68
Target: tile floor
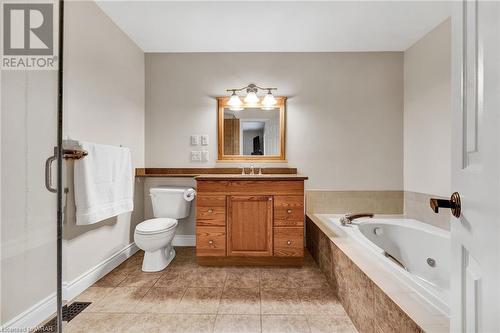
x=186 y=297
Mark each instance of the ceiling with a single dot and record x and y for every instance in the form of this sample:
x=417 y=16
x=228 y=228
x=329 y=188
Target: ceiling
x=278 y=26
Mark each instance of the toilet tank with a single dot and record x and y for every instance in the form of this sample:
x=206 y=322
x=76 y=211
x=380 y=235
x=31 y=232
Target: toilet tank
x=168 y=201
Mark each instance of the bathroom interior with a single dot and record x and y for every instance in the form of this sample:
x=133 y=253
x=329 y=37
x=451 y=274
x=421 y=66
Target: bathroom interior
x=254 y=167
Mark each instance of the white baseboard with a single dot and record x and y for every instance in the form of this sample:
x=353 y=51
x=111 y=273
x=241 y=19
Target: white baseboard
x=42 y=310
x=32 y=317
x=184 y=240
x=74 y=288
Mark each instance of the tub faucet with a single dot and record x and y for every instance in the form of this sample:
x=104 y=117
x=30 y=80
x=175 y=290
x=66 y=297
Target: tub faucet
x=348 y=218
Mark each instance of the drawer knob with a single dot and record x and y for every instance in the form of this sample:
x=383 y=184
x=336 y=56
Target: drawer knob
x=289 y=211
x=210 y=242
x=210 y=210
x=289 y=242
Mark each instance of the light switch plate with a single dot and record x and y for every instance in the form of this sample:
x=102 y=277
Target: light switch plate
x=196 y=156
x=204 y=156
x=195 y=140
x=204 y=140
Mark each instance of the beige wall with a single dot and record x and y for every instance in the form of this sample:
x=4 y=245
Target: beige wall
x=427 y=124
x=344 y=112
x=427 y=113
x=104 y=103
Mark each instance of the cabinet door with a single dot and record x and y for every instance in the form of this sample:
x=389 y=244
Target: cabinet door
x=250 y=226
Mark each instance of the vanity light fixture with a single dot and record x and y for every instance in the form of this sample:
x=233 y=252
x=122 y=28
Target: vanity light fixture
x=251 y=99
x=269 y=102
x=235 y=103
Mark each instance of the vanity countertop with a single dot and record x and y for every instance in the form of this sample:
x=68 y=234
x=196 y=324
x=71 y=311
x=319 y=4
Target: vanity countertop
x=251 y=177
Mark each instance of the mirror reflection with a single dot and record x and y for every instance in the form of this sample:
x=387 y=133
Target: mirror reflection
x=252 y=132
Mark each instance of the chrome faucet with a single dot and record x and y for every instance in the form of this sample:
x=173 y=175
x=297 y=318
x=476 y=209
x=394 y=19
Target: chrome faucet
x=348 y=218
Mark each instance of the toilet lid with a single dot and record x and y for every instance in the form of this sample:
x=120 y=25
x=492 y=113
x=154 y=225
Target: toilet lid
x=155 y=226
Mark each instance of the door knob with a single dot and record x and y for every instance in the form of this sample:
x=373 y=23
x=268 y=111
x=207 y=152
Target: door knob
x=454 y=204
x=289 y=211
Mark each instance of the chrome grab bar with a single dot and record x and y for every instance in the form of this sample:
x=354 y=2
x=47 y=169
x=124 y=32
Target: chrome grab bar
x=399 y=263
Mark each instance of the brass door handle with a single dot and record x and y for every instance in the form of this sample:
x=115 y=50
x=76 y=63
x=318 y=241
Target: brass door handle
x=454 y=204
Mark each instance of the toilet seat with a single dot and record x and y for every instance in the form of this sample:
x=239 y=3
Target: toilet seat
x=155 y=226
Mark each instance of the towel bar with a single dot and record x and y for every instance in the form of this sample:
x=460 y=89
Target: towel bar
x=74 y=154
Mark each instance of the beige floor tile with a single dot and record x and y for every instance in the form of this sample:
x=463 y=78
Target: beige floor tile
x=120 y=300
x=140 y=279
x=200 y=301
x=280 y=301
x=240 y=301
x=330 y=324
x=113 y=279
x=320 y=301
x=284 y=324
x=93 y=294
x=181 y=323
x=276 y=278
x=207 y=277
x=237 y=324
x=161 y=300
x=310 y=278
x=175 y=278
x=99 y=322
x=243 y=278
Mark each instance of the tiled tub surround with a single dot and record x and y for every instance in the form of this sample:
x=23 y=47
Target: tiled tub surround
x=375 y=300
x=186 y=297
x=340 y=202
x=416 y=206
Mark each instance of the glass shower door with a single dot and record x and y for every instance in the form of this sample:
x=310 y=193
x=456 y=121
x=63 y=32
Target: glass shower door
x=30 y=132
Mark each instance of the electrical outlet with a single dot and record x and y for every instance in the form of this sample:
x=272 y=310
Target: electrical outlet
x=196 y=156
x=195 y=140
x=204 y=140
x=204 y=156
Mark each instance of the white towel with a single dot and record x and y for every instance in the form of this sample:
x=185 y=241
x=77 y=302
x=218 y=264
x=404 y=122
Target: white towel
x=103 y=183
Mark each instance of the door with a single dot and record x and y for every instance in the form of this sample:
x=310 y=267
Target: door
x=30 y=132
x=250 y=225
x=475 y=279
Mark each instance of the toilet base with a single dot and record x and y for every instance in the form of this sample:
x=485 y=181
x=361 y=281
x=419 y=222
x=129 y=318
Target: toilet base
x=157 y=260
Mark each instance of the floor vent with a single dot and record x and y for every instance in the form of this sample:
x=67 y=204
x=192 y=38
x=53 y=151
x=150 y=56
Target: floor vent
x=69 y=312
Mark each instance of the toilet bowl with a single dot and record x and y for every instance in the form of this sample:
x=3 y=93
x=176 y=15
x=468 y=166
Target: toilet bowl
x=155 y=236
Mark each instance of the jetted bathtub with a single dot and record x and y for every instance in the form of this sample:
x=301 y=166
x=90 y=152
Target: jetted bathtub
x=418 y=253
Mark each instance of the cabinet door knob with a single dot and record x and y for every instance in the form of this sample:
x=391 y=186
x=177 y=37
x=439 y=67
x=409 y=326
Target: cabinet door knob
x=210 y=242
x=210 y=210
x=289 y=211
x=289 y=242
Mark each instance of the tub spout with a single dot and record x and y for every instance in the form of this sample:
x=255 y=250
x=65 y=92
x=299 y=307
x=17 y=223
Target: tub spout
x=348 y=218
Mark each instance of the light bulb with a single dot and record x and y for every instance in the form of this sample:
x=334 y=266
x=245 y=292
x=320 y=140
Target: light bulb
x=235 y=103
x=269 y=102
x=251 y=98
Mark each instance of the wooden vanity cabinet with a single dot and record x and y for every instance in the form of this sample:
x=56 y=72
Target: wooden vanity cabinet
x=250 y=221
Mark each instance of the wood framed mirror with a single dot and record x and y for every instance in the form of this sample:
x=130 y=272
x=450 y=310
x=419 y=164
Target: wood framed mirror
x=252 y=134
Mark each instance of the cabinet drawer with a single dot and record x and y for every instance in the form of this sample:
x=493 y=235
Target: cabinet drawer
x=288 y=211
x=288 y=242
x=211 y=210
x=210 y=241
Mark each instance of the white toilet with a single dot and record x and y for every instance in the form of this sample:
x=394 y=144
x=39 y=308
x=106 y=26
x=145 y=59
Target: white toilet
x=155 y=236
